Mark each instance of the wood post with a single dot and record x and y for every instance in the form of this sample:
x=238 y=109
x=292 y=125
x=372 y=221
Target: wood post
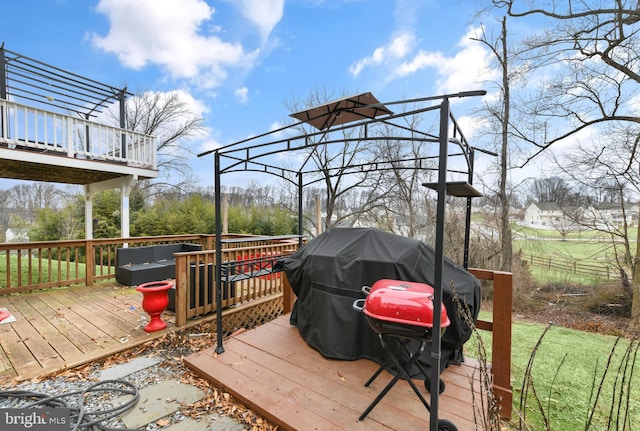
x=288 y=297
x=90 y=265
x=501 y=336
x=181 y=290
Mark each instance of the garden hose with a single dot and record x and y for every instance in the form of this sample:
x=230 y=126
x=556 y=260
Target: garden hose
x=82 y=418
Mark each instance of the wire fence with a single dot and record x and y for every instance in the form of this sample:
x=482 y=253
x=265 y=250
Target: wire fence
x=560 y=264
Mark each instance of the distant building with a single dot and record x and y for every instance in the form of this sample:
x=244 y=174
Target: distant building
x=549 y=215
x=542 y=214
x=610 y=214
x=17 y=234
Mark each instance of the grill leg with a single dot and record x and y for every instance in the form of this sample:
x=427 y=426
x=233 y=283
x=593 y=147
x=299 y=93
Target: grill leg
x=379 y=397
x=401 y=346
x=402 y=373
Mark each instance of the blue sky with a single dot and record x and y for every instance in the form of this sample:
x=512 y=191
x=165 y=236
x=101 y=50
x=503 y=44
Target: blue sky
x=239 y=62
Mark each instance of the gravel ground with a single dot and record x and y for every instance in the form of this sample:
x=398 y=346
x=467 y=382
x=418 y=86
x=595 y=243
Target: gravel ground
x=81 y=389
x=93 y=396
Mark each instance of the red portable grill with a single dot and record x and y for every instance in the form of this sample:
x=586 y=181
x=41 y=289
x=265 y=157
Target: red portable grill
x=402 y=309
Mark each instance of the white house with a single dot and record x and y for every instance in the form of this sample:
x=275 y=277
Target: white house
x=17 y=234
x=542 y=214
x=610 y=214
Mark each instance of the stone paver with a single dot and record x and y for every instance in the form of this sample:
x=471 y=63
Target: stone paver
x=157 y=401
x=163 y=399
x=122 y=370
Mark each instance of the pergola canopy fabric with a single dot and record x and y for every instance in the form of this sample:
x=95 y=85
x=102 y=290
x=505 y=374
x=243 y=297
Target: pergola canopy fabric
x=341 y=111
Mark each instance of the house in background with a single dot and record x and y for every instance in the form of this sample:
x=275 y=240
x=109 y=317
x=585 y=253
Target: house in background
x=610 y=214
x=549 y=215
x=542 y=214
x=17 y=234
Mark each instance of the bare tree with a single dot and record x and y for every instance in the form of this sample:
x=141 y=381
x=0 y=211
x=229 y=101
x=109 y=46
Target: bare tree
x=333 y=164
x=611 y=170
x=594 y=50
x=571 y=220
x=25 y=199
x=171 y=118
x=551 y=189
x=405 y=206
x=500 y=117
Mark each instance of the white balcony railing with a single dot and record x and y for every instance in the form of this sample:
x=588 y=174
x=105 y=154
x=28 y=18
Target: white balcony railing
x=25 y=127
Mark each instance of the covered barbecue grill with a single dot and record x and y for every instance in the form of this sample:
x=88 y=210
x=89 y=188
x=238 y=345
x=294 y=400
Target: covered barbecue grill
x=327 y=275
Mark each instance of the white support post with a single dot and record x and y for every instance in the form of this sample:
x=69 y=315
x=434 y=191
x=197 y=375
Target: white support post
x=88 y=213
x=125 y=191
x=225 y=213
x=125 y=184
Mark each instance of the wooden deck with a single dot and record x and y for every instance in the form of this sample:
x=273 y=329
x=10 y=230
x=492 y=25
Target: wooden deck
x=67 y=327
x=272 y=370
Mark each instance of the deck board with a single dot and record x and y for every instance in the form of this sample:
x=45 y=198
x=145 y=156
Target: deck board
x=114 y=324
x=61 y=328
x=83 y=329
x=270 y=369
x=273 y=371
x=42 y=323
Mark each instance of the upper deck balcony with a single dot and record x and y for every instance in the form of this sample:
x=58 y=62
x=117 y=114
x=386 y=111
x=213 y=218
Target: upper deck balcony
x=49 y=129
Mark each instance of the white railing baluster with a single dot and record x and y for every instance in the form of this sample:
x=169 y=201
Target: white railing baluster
x=70 y=134
x=69 y=138
x=55 y=130
x=46 y=130
x=26 y=125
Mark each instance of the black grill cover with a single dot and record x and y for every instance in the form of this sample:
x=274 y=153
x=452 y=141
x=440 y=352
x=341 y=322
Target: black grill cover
x=327 y=275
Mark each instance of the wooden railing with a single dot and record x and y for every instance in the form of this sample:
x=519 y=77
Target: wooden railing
x=247 y=274
x=27 y=266
x=26 y=127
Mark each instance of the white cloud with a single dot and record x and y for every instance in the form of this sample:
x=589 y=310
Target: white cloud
x=170 y=33
x=208 y=145
x=467 y=69
x=264 y=14
x=472 y=126
x=242 y=94
x=422 y=60
x=396 y=49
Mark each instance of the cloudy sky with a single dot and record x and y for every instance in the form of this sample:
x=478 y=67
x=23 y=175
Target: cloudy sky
x=241 y=62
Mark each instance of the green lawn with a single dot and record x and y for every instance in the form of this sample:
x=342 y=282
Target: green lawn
x=586 y=249
x=46 y=273
x=586 y=235
x=567 y=370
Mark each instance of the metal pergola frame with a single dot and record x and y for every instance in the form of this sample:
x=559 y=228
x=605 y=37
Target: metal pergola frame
x=361 y=112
